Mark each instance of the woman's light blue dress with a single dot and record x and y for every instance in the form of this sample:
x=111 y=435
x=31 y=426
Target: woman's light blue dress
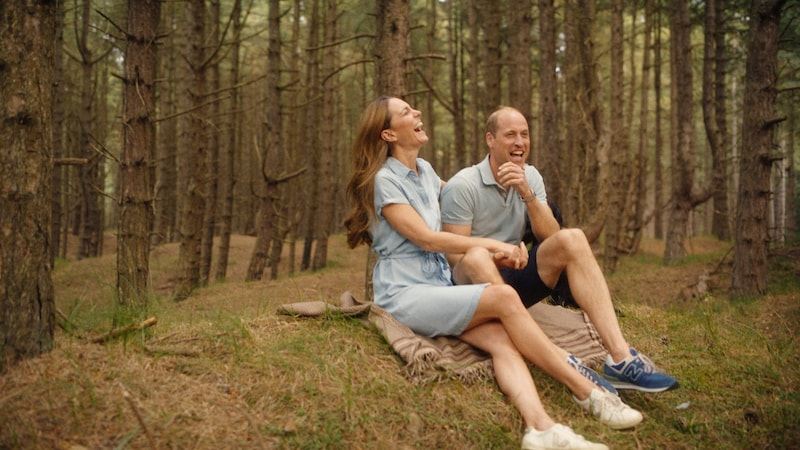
x=413 y=285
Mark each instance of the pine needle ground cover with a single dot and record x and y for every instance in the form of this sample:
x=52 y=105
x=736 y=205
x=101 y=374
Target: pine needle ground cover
x=223 y=370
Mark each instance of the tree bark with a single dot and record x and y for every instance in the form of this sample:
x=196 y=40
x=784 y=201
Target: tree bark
x=685 y=195
x=549 y=125
x=618 y=170
x=758 y=127
x=588 y=145
x=658 y=152
x=194 y=152
x=212 y=136
x=520 y=20
x=166 y=160
x=138 y=138
x=27 y=301
x=714 y=105
x=90 y=224
x=391 y=48
x=58 y=130
x=227 y=160
x=328 y=130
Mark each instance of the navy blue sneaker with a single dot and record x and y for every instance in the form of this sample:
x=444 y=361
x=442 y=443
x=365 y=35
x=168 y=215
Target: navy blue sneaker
x=593 y=376
x=637 y=372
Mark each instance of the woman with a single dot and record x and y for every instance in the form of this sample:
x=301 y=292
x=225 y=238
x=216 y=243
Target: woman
x=395 y=208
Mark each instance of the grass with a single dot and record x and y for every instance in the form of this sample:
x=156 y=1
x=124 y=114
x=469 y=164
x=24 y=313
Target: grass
x=223 y=370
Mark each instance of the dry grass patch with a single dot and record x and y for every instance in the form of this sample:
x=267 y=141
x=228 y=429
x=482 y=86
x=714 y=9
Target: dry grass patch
x=222 y=370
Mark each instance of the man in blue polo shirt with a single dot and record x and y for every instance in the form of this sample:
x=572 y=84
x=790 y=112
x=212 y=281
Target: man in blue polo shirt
x=492 y=199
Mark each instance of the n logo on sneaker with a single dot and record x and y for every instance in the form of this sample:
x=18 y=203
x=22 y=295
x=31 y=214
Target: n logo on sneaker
x=633 y=372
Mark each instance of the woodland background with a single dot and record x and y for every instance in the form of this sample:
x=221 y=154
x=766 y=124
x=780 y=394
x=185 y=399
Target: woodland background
x=181 y=121
x=133 y=132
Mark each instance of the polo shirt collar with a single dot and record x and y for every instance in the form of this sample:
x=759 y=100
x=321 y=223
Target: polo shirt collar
x=487 y=176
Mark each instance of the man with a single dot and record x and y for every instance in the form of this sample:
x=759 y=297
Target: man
x=492 y=199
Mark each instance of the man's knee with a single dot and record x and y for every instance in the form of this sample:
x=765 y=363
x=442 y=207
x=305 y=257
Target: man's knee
x=476 y=266
x=571 y=240
x=475 y=257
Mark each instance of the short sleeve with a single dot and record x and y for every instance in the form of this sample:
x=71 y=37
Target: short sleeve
x=457 y=202
x=388 y=191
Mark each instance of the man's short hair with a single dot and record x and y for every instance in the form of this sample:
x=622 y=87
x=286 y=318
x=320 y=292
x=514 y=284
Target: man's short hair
x=491 y=121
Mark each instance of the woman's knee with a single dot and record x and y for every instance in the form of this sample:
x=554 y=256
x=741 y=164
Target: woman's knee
x=503 y=298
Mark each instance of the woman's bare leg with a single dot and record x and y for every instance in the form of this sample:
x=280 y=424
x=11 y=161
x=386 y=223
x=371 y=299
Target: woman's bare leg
x=511 y=372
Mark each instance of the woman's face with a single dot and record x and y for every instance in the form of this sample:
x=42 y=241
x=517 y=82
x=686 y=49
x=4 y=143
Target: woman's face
x=405 y=127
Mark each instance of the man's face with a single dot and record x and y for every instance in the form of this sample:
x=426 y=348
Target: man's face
x=511 y=141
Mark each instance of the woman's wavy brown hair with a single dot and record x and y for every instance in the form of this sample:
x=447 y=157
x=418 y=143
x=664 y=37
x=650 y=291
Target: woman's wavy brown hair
x=369 y=153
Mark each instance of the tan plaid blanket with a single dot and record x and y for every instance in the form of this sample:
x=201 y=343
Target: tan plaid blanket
x=428 y=359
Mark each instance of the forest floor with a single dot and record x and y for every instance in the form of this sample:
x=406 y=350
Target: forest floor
x=223 y=370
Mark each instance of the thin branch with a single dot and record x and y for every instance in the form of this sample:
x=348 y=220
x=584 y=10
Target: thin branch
x=361 y=61
x=180 y=113
x=335 y=43
x=149 y=322
x=112 y=22
x=436 y=95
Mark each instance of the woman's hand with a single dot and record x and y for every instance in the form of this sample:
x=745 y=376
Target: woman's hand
x=514 y=257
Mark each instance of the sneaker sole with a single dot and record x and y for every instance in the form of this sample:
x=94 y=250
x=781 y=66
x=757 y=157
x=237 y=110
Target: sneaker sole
x=630 y=386
x=624 y=426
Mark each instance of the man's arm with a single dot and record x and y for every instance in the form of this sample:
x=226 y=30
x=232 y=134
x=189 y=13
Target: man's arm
x=543 y=223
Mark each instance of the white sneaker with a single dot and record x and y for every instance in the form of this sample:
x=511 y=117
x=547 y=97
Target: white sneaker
x=557 y=437
x=609 y=409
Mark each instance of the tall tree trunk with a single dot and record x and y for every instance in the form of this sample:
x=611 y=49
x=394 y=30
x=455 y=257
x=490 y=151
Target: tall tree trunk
x=90 y=225
x=273 y=159
x=456 y=49
x=313 y=115
x=212 y=136
x=27 y=301
x=519 y=59
x=758 y=127
x=636 y=220
x=588 y=146
x=58 y=132
x=227 y=178
x=166 y=184
x=473 y=103
x=682 y=166
x=548 y=132
x=658 y=153
x=138 y=143
x=193 y=153
x=713 y=78
x=618 y=170
x=490 y=53
x=391 y=47
x=275 y=145
x=328 y=128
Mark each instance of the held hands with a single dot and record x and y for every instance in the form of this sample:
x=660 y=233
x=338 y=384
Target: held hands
x=515 y=257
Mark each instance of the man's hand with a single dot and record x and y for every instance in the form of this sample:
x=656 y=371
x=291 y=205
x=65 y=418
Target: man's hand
x=514 y=259
x=510 y=176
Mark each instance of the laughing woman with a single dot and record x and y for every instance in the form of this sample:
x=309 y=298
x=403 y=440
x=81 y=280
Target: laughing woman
x=394 y=207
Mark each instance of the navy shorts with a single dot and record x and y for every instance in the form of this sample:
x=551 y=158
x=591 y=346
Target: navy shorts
x=528 y=284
